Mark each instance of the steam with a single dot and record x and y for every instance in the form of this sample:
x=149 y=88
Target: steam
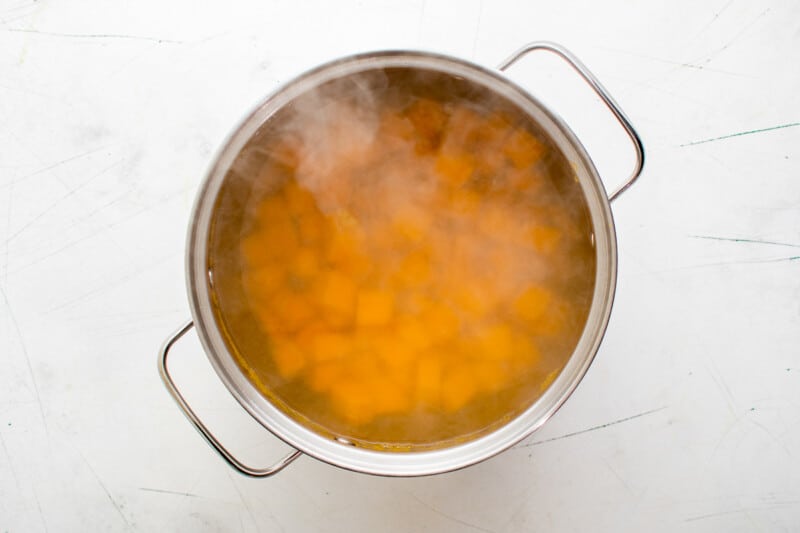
x=460 y=208
x=355 y=146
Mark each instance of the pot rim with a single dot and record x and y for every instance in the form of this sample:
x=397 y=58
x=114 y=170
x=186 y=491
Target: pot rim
x=415 y=463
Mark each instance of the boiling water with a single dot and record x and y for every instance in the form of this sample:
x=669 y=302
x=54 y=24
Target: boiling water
x=401 y=259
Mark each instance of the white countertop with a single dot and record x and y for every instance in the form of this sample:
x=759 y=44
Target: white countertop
x=689 y=419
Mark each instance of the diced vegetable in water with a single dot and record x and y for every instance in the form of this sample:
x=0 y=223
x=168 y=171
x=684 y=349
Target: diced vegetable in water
x=415 y=289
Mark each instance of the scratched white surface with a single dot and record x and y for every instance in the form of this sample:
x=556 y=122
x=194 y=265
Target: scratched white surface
x=689 y=419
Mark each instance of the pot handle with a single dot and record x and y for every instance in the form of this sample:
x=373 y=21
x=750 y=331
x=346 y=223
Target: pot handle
x=598 y=88
x=198 y=424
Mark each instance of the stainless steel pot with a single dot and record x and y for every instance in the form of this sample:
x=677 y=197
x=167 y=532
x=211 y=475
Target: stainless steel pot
x=338 y=452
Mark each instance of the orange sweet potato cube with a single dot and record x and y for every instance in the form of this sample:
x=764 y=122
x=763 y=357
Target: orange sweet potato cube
x=454 y=169
x=396 y=357
x=412 y=335
x=394 y=127
x=323 y=376
x=532 y=304
x=554 y=320
x=497 y=126
x=523 y=149
x=495 y=342
x=255 y=251
x=429 y=119
x=261 y=283
x=289 y=359
x=499 y=222
x=353 y=401
x=464 y=201
x=374 y=307
x=458 y=388
x=345 y=252
x=313 y=229
x=280 y=238
x=330 y=346
x=410 y=224
x=463 y=130
x=474 y=301
x=526 y=354
x=415 y=270
x=273 y=209
x=517 y=181
x=440 y=320
x=290 y=310
x=304 y=267
x=545 y=239
x=299 y=200
x=337 y=297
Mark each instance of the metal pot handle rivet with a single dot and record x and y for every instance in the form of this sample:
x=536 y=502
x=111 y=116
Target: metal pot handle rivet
x=198 y=424
x=601 y=91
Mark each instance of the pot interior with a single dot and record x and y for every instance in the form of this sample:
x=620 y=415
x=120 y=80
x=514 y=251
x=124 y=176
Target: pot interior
x=401 y=259
x=369 y=456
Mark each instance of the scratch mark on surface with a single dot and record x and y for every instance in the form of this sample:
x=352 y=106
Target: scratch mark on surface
x=30 y=92
x=736 y=262
x=10 y=465
x=123 y=66
x=105 y=489
x=61 y=199
x=39 y=508
x=678 y=64
x=751 y=241
x=54 y=165
x=89 y=214
x=454 y=519
x=673 y=94
x=166 y=198
x=620 y=478
x=164 y=491
x=299 y=487
x=27 y=360
x=244 y=502
x=477 y=29
x=94 y=36
x=773 y=437
x=725 y=433
x=7 y=246
x=280 y=526
x=17 y=8
x=730 y=400
x=712 y=515
x=736 y=37
x=701 y=64
x=741 y=133
x=5 y=22
x=593 y=428
x=775 y=208
x=520 y=508
x=717 y=160
x=421 y=19
x=17 y=402
x=117 y=282
x=713 y=20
